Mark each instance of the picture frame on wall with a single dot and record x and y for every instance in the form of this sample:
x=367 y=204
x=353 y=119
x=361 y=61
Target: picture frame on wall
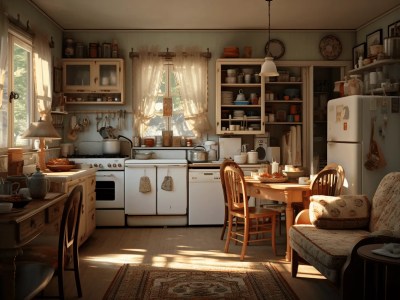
x=374 y=38
x=358 y=51
x=394 y=29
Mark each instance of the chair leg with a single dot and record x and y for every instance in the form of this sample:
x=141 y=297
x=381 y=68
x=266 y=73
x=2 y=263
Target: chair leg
x=245 y=238
x=229 y=233
x=225 y=222
x=76 y=270
x=273 y=240
x=295 y=263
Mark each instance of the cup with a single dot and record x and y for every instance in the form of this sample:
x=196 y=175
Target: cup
x=24 y=192
x=303 y=180
x=9 y=188
x=232 y=127
x=247 y=78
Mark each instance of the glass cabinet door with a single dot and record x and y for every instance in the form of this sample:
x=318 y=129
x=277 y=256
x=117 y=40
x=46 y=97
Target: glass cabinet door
x=77 y=76
x=109 y=76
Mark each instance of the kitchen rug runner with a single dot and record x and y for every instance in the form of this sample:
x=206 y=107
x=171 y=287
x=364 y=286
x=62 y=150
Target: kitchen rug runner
x=141 y=282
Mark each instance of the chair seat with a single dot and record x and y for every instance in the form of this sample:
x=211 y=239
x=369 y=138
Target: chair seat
x=31 y=278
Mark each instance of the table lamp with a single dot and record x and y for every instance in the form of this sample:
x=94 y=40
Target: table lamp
x=41 y=130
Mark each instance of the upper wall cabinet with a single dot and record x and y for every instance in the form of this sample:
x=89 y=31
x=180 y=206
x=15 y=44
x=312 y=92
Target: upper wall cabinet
x=239 y=97
x=93 y=81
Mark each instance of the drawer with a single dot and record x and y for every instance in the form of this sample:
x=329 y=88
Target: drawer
x=54 y=212
x=91 y=201
x=91 y=184
x=32 y=226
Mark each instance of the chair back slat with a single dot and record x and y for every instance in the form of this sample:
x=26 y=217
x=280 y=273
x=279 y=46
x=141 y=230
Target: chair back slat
x=325 y=183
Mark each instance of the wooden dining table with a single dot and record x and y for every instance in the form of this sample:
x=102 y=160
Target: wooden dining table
x=21 y=226
x=286 y=192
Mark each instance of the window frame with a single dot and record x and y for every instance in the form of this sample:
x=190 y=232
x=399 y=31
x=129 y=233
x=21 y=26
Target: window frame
x=15 y=37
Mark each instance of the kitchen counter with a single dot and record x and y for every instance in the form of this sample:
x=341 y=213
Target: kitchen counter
x=217 y=165
x=70 y=175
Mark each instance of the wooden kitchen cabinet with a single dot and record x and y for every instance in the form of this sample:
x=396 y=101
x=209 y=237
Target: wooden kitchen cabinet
x=88 y=215
x=253 y=121
x=93 y=81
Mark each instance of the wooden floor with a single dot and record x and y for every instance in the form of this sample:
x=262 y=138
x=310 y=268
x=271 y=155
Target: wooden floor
x=179 y=247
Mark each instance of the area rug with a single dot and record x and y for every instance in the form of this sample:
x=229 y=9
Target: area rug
x=138 y=282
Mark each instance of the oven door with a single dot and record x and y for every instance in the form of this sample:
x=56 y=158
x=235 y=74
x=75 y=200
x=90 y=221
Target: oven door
x=110 y=189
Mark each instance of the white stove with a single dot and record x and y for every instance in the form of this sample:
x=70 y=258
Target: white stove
x=110 y=182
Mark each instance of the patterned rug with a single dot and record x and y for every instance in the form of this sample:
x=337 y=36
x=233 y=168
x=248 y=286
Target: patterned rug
x=139 y=282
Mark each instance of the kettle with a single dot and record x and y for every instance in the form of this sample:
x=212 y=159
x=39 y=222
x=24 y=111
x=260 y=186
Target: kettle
x=38 y=185
x=240 y=96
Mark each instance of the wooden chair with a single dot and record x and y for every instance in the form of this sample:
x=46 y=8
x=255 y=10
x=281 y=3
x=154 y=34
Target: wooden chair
x=329 y=181
x=67 y=250
x=254 y=217
x=225 y=163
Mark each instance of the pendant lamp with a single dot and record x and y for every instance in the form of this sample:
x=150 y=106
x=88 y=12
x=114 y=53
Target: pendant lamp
x=268 y=68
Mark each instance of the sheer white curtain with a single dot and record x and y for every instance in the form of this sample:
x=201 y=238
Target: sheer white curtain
x=190 y=68
x=146 y=75
x=42 y=75
x=3 y=52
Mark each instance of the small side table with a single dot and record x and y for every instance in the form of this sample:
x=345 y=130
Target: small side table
x=380 y=267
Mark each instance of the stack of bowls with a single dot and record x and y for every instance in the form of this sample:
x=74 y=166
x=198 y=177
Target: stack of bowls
x=226 y=97
x=231 y=75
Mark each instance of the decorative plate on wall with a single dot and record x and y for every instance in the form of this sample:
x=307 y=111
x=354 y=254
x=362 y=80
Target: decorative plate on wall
x=275 y=47
x=330 y=47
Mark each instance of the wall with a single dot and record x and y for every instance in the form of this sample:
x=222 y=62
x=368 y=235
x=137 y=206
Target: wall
x=300 y=45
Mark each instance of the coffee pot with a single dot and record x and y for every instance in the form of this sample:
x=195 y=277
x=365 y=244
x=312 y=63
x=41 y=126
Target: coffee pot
x=38 y=185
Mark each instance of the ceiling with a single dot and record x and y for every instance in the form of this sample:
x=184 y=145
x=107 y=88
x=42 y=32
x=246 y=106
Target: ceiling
x=213 y=14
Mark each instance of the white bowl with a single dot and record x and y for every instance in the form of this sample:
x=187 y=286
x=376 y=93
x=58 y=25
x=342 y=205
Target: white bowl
x=239 y=159
x=5 y=206
x=231 y=72
x=230 y=79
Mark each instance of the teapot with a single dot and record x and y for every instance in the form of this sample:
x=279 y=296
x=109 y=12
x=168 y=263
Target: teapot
x=240 y=96
x=38 y=185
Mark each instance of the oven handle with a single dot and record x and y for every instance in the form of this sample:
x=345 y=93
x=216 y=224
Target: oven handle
x=98 y=175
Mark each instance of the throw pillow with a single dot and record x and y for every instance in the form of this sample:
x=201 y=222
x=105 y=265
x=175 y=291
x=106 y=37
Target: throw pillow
x=339 y=212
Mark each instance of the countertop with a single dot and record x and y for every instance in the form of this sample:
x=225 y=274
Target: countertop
x=70 y=175
x=217 y=165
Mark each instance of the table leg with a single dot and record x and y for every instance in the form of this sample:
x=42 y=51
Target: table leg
x=289 y=223
x=7 y=273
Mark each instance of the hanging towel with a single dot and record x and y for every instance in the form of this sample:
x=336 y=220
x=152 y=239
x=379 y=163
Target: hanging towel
x=144 y=184
x=167 y=184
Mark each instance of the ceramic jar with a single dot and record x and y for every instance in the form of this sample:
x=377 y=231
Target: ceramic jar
x=38 y=185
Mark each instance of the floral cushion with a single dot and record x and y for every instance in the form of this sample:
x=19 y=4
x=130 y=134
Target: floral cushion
x=339 y=212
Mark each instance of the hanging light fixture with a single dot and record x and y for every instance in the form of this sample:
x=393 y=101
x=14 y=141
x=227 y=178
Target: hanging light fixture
x=268 y=68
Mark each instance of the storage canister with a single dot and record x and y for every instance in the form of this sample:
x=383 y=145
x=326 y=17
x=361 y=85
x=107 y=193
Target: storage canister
x=93 y=50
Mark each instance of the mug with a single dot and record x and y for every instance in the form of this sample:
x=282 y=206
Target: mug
x=9 y=188
x=247 y=78
x=24 y=192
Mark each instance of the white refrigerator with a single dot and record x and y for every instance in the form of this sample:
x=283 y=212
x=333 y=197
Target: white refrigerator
x=352 y=121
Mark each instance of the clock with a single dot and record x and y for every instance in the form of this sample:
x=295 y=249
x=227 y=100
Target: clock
x=275 y=48
x=330 y=47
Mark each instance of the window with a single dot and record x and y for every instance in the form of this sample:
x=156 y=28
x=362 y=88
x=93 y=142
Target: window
x=16 y=113
x=168 y=87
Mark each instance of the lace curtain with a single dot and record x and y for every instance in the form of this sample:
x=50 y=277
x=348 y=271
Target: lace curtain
x=3 y=52
x=147 y=70
x=42 y=75
x=190 y=68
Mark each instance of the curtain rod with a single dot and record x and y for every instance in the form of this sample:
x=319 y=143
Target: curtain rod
x=17 y=22
x=170 y=55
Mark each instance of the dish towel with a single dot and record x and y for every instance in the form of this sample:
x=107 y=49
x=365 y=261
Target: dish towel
x=167 y=184
x=144 y=184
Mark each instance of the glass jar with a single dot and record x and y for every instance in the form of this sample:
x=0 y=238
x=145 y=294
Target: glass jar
x=69 y=50
x=355 y=85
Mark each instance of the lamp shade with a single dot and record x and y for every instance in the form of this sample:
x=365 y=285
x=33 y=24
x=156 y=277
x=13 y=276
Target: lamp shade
x=268 y=68
x=41 y=129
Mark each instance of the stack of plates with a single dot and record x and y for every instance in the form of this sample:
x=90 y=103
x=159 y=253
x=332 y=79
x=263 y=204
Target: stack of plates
x=226 y=97
x=238 y=113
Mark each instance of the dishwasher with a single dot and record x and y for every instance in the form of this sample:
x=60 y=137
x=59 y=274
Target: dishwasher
x=206 y=199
